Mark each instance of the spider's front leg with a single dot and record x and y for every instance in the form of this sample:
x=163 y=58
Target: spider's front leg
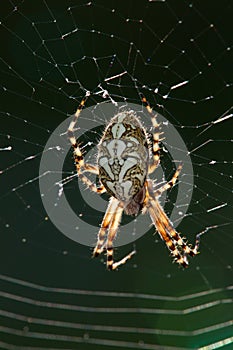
x=112 y=207
x=178 y=240
x=111 y=265
x=110 y=223
x=171 y=237
x=157 y=216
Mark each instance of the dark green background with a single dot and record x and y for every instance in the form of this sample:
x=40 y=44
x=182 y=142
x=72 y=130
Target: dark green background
x=35 y=98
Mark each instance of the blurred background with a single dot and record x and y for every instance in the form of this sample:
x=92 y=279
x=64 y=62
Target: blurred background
x=179 y=55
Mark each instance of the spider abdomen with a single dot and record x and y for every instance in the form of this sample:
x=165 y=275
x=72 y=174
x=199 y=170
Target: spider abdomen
x=123 y=157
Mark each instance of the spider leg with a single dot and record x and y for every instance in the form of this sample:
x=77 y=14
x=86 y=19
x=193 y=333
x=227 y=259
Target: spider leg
x=80 y=165
x=122 y=261
x=154 y=209
x=168 y=233
x=111 y=265
x=168 y=225
x=77 y=152
x=113 y=204
x=91 y=168
x=180 y=259
x=97 y=189
x=169 y=184
x=156 y=137
x=175 y=235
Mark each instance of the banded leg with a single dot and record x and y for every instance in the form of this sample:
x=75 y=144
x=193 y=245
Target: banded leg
x=156 y=137
x=179 y=258
x=169 y=184
x=172 y=232
x=82 y=167
x=170 y=229
x=173 y=240
x=79 y=162
x=112 y=207
x=111 y=235
x=175 y=235
x=92 y=186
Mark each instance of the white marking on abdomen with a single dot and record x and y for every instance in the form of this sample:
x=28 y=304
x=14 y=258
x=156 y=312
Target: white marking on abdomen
x=103 y=162
x=129 y=163
x=118 y=130
x=116 y=148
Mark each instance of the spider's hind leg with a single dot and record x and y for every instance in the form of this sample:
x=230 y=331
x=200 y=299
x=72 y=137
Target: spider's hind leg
x=156 y=136
x=81 y=166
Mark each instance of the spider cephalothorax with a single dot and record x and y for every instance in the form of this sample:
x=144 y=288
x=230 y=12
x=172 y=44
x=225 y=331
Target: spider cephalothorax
x=123 y=168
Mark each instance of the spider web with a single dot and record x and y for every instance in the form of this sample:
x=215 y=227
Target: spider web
x=179 y=55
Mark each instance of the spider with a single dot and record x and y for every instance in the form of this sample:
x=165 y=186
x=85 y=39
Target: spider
x=123 y=167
